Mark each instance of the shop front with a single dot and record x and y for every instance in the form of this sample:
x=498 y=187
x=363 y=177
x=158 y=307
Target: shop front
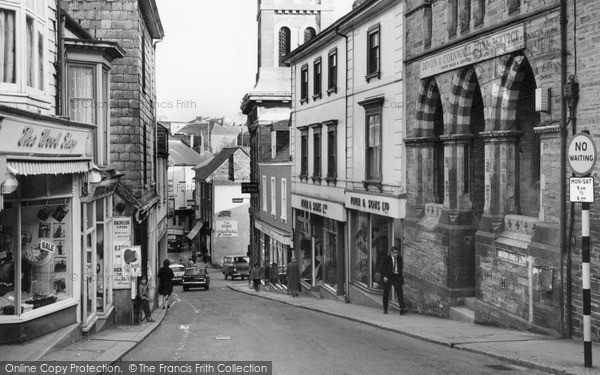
x=374 y=226
x=319 y=243
x=275 y=247
x=45 y=164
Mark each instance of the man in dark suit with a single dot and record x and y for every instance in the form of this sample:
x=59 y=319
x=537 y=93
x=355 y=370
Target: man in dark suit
x=391 y=271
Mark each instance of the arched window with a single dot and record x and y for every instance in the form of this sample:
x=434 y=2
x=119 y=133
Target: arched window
x=309 y=33
x=284 y=43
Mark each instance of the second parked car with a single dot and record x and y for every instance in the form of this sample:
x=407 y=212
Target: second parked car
x=178 y=270
x=236 y=266
x=196 y=277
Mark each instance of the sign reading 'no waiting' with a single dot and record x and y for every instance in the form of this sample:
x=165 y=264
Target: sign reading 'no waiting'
x=582 y=154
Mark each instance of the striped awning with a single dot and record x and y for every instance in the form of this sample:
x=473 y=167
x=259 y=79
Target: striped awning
x=25 y=168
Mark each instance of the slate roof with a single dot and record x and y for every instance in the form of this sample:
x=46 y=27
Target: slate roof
x=181 y=154
x=204 y=171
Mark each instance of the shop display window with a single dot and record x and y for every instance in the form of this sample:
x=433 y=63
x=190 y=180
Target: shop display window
x=43 y=228
x=370 y=243
x=329 y=252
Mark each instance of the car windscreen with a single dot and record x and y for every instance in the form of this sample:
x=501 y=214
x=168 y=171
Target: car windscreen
x=195 y=271
x=241 y=260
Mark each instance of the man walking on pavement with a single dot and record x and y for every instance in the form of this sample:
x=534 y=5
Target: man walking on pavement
x=391 y=270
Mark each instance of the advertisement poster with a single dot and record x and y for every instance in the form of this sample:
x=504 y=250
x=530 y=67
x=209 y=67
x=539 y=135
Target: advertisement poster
x=122 y=230
x=126 y=264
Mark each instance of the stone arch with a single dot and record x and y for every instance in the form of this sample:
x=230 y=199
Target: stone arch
x=464 y=100
x=427 y=107
x=510 y=89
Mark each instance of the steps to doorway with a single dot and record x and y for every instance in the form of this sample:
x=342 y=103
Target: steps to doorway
x=465 y=312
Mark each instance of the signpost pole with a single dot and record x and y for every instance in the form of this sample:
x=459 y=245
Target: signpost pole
x=585 y=279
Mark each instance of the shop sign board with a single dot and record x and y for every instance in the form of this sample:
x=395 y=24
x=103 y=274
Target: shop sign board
x=226 y=228
x=582 y=154
x=480 y=49
x=581 y=189
x=376 y=204
x=24 y=137
x=250 y=188
x=331 y=210
x=122 y=231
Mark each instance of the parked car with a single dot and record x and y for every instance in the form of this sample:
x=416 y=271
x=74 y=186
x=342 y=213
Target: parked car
x=236 y=266
x=196 y=277
x=174 y=246
x=178 y=271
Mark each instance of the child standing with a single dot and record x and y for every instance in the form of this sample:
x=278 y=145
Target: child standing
x=144 y=298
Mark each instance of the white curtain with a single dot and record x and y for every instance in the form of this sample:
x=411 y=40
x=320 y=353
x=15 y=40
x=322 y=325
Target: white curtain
x=81 y=94
x=7 y=46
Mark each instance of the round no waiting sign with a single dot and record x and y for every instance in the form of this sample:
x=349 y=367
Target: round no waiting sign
x=582 y=154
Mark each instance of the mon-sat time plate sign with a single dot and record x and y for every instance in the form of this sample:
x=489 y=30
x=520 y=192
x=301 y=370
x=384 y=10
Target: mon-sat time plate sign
x=582 y=154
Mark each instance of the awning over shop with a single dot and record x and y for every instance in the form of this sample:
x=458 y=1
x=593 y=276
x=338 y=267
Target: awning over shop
x=194 y=232
x=25 y=168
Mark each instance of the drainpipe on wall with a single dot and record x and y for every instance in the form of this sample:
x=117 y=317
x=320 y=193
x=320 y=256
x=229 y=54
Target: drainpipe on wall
x=347 y=236
x=59 y=60
x=565 y=307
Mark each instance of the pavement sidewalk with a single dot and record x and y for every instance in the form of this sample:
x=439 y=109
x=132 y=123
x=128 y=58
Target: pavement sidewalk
x=558 y=356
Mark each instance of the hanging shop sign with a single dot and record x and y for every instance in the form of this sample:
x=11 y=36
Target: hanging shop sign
x=473 y=51
x=23 y=137
x=375 y=204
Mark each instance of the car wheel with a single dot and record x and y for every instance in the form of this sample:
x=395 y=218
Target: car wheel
x=225 y=276
x=206 y=287
x=232 y=277
x=185 y=288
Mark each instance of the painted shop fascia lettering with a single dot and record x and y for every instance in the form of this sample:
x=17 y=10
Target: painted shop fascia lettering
x=323 y=208
x=379 y=205
x=480 y=49
x=22 y=137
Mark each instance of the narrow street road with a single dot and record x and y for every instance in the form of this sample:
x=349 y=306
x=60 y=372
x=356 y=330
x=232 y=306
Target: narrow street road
x=224 y=325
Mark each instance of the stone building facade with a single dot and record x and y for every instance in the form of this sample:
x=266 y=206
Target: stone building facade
x=136 y=26
x=282 y=26
x=486 y=211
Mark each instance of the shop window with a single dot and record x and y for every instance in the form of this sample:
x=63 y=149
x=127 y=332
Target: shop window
x=373 y=53
x=284 y=44
x=330 y=252
x=309 y=34
x=304 y=84
x=317 y=79
x=369 y=246
x=39 y=233
x=332 y=70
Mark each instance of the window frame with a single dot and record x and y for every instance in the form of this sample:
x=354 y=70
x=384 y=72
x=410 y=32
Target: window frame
x=373 y=107
x=317 y=142
x=303 y=152
x=332 y=70
x=273 y=197
x=283 y=210
x=36 y=65
x=373 y=68
x=304 y=84
x=331 y=175
x=317 y=78
x=264 y=193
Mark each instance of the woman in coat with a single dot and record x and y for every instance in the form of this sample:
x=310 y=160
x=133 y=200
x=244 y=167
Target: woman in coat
x=165 y=283
x=293 y=277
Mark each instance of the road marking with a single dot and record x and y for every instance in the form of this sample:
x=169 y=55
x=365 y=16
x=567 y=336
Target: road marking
x=183 y=326
x=223 y=338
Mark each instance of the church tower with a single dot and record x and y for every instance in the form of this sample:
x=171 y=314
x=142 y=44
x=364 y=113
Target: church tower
x=284 y=25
